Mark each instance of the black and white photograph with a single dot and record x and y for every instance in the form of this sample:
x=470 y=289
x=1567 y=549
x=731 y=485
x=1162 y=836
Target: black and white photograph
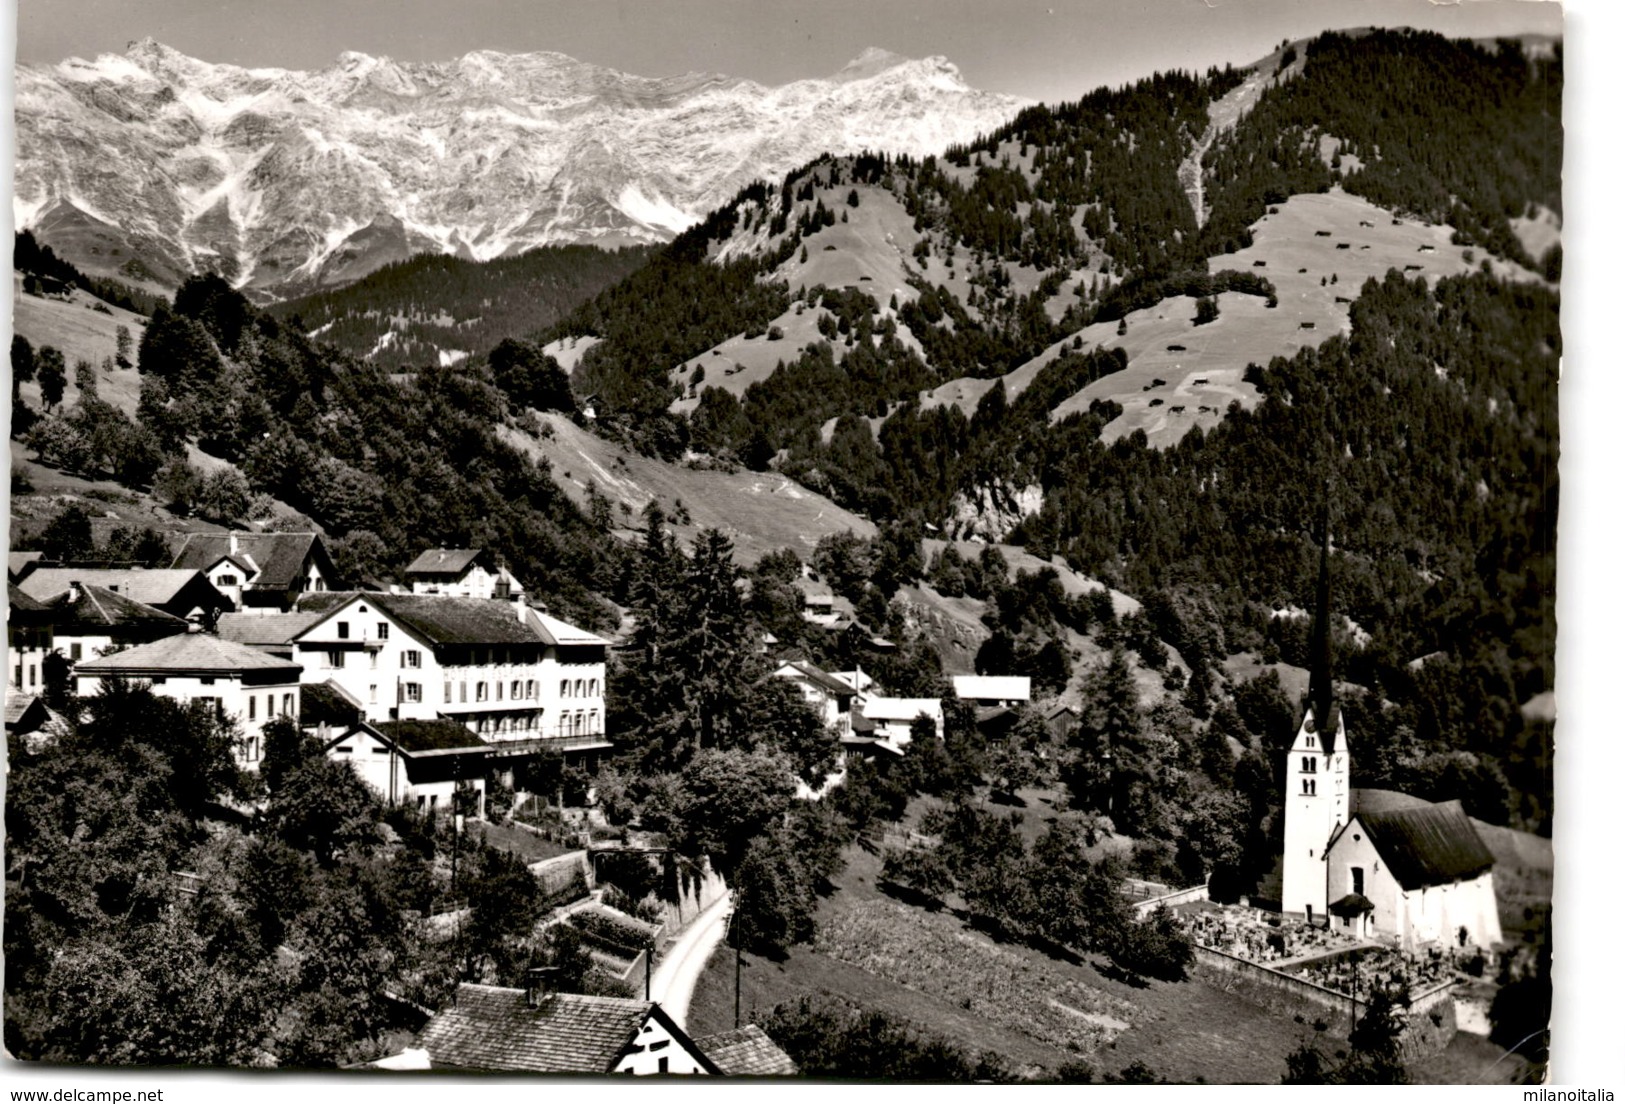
x=915 y=541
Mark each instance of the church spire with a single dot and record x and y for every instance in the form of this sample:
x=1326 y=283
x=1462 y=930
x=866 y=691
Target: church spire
x=1320 y=669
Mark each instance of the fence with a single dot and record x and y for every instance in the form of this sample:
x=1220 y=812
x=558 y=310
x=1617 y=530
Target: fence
x=1430 y=1019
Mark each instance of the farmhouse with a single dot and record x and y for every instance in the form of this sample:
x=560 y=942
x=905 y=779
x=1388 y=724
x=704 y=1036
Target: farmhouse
x=242 y=683
x=461 y=573
x=893 y=718
x=29 y=639
x=260 y=572
x=494 y=1029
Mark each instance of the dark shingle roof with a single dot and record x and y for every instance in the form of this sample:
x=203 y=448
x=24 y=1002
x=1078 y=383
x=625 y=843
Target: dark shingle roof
x=822 y=678
x=189 y=652
x=437 y=618
x=443 y=561
x=1350 y=905
x=280 y=557
x=492 y=1028
x=430 y=735
x=1430 y=845
x=327 y=703
x=22 y=601
x=100 y=608
x=747 y=1052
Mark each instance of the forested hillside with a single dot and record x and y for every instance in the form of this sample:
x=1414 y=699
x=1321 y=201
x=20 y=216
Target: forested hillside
x=434 y=307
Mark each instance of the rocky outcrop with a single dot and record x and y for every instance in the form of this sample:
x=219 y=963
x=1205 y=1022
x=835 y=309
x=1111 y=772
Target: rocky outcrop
x=991 y=511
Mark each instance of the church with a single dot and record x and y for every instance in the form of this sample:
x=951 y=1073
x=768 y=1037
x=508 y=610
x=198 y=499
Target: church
x=1371 y=862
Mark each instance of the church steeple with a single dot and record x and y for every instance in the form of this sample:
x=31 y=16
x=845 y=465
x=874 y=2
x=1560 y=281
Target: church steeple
x=1321 y=699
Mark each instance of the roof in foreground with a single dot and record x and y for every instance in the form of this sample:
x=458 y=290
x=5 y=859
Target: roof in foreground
x=99 y=607
x=188 y=652
x=747 y=1052
x=488 y=1027
x=1430 y=845
x=437 y=735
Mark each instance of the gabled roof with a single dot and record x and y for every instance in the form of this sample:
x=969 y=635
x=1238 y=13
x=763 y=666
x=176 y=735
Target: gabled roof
x=1350 y=905
x=100 y=608
x=817 y=676
x=154 y=586
x=993 y=687
x=279 y=558
x=268 y=630
x=25 y=712
x=23 y=602
x=491 y=1028
x=420 y=736
x=327 y=703
x=747 y=1052
x=553 y=631
x=435 y=618
x=1429 y=845
x=444 y=561
x=18 y=563
x=200 y=652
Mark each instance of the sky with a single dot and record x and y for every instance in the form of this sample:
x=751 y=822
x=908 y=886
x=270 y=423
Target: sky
x=1041 y=49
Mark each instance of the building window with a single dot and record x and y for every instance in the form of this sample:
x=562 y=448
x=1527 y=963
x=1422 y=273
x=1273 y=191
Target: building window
x=344 y=630
x=581 y=688
x=592 y=723
x=335 y=657
x=372 y=694
x=481 y=691
x=226 y=580
x=251 y=703
x=287 y=705
x=564 y=689
x=462 y=691
x=499 y=689
x=411 y=657
x=251 y=749
x=516 y=691
x=1358 y=875
x=530 y=689
x=206 y=681
x=383 y=630
x=448 y=693
x=412 y=691
x=592 y=688
x=76 y=652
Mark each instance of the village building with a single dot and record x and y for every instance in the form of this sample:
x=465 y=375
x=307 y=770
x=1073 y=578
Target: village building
x=180 y=592
x=242 y=683
x=420 y=764
x=461 y=573
x=893 y=719
x=273 y=633
x=30 y=637
x=93 y=621
x=831 y=698
x=260 y=572
x=523 y=681
x=488 y=1028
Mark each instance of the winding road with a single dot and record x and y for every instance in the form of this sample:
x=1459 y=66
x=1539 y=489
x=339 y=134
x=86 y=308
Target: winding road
x=679 y=971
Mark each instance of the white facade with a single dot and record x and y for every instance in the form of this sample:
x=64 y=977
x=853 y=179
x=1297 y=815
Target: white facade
x=1316 y=805
x=251 y=704
x=656 y=1050
x=894 y=717
x=476 y=582
x=385 y=769
x=1415 y=917
x=993 y=689
x=504 y=691
x=833 y=706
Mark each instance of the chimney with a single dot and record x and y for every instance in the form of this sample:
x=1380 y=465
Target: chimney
x=233 y=539
x=73 y=592
x=539 y=982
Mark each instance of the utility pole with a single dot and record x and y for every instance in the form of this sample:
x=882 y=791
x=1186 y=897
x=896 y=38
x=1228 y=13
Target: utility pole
x=731 y=935
x=648 y=969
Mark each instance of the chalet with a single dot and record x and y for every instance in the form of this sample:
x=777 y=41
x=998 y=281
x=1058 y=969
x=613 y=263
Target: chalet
x=92 y=620
x=831 y=697
x=243 y=683
x=488 y=1028
x=522 y=680
x=461 y=573
x=415 y=763
x=1419 y=875
x=747 y=1052
x=990 y=690
x=30 y=637
x=181 y=592
x=260 y=572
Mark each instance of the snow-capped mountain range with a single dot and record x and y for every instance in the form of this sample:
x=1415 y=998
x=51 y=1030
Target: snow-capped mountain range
x=152 y=164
